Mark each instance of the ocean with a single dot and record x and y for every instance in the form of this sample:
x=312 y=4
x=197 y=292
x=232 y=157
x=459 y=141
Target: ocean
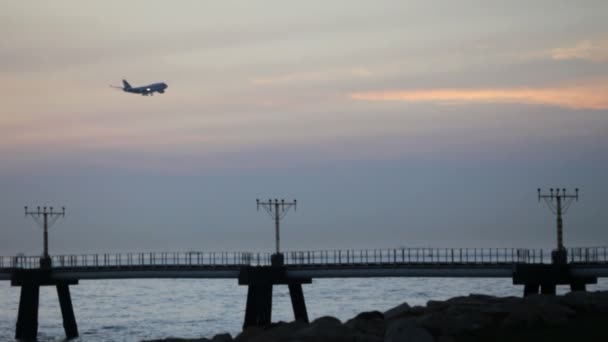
x=139 y=309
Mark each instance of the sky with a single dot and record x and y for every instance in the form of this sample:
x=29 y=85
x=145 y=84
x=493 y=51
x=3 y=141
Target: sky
x=392 y=123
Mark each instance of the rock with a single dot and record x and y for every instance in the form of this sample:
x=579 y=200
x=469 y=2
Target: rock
x=173 y=339
x=326 y=321
x=322 y=328
x=473 y=298
x=550 y=310
x=436 y=305
x=274 y=332
x=406 y=329
x=521 y=316
x=459 y=318
x=222 y=338
x=367 y=315
x=586 y=302
x=368 y=323
x=441 y=323
x=540 y=299
x=498 y=311
x=329 y=329
x=249 y=333
x=444 y=338
x=398 y=311
x=418 y=310
x=362 y=338
x=481 y=303
x=475 y=312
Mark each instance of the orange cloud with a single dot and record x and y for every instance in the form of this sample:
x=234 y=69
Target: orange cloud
x=589 y=49
x=593 y=97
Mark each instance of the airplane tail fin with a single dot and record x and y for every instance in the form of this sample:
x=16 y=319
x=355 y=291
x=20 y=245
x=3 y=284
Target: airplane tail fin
x=126 y=84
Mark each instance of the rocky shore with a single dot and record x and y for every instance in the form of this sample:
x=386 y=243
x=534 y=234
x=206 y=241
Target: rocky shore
x=581 y=316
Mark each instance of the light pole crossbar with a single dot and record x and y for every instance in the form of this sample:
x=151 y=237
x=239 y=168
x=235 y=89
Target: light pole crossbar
x=45 y=217
x=558 y=201
x=277 y=210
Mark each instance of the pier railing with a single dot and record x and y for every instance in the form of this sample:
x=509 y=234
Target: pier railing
x=588 y=255
x=407 y=256
x=416 y=256
x=143 y=259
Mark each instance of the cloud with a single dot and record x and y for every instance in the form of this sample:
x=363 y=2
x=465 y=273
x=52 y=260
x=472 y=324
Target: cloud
x=313 y=76
x=591 y=96
x=589 y=49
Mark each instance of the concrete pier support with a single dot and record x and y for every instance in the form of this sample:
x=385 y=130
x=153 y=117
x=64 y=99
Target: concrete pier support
x=27 y=317
x=251 y=316
x=548 y=289
x=576 y=286
x=259 y=305
x=530 y=289
x=297 y=302
x=547 y=277
x=67 y=311
x=260 y=281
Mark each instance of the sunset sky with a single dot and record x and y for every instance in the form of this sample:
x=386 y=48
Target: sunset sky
x=393 y=123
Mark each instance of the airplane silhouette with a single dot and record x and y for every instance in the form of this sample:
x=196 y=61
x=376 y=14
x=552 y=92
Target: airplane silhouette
x=144 y=90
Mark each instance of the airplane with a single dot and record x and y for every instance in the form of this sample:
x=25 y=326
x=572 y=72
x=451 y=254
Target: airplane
x=144 y=90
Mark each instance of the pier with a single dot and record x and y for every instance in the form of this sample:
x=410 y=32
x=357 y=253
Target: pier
x=535 y=269
x=538 y=270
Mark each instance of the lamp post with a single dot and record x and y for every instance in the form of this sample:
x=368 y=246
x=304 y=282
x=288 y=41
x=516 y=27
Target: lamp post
x=277 y=210
x=42 y=216
x=559 y=201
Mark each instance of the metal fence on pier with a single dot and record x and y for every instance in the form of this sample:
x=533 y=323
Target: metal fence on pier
x=402 y=256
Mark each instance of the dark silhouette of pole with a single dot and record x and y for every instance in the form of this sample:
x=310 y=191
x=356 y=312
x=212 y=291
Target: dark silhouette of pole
x=45 y=215
x=277 y=210
x=559 y=202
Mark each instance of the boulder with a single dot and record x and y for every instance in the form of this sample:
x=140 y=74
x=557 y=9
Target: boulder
x=418 y=310
x=479 y=300
x=474 y=298
x=367 y=315
x=329 y=329
x=323 y=328
x=174 y=339
x=249 y=333
x=444 y=321
x=406 y=329
x=441 y=323
x=280 y=331
x=222 y=338
x=481 y=303
x=436 y=305
x=586 y=302
x=549 y=308
x=521 y=316
x=398 y=311
x=444 y=338
x=368 y=323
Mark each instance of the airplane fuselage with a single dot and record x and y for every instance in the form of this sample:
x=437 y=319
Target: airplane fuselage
x=148 y=89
